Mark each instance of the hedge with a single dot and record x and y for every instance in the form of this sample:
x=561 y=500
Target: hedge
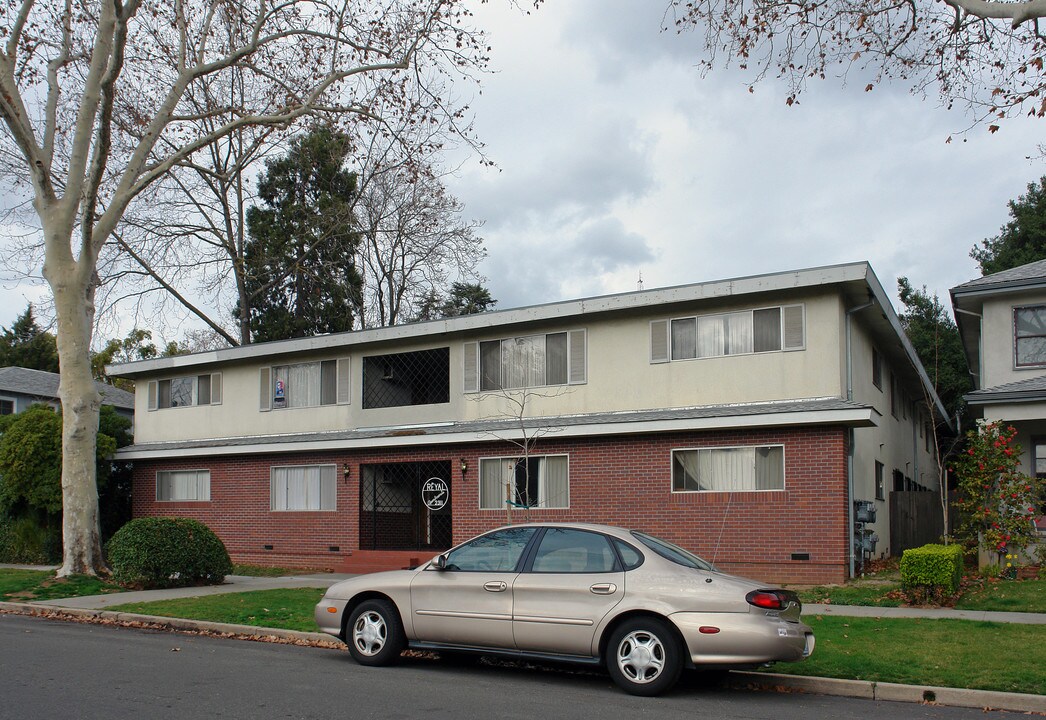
x=932 y=566
x=158 y=552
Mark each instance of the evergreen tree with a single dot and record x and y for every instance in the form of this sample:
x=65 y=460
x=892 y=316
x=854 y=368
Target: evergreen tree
x=463 y=299
x=1020 y=241
x=300 y=255
x=933 y=334
x=26 y=345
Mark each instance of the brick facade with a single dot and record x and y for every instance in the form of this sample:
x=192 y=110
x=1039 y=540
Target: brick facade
x=620 y=480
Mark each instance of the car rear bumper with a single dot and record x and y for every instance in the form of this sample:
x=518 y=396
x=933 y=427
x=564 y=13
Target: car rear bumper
x=724 y=639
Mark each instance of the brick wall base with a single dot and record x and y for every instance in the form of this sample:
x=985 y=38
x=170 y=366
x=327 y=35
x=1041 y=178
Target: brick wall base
x=621 y=480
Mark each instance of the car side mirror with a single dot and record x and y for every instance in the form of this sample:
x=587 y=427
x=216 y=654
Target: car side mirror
x=440 y=562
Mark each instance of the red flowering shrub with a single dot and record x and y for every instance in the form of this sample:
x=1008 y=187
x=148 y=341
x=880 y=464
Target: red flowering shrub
x=995 y=499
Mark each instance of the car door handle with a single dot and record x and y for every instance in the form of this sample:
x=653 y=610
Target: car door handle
x=604 y=589
x=495 y=586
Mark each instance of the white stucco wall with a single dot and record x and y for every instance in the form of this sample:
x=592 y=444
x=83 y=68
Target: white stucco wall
x=620 y=377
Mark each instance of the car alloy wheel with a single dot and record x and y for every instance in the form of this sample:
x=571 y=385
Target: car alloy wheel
x=644 y=657
x=375 y=634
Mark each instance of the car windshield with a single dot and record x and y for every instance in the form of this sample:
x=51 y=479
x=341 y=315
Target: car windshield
x=673 y=552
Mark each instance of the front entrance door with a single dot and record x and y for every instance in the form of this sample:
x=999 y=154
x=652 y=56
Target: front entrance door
x=406 y=506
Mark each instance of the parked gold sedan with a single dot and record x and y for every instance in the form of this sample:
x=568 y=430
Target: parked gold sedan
x=595 y=594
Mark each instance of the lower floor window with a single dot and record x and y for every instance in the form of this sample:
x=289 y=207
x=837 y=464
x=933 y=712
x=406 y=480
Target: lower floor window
x=172 y=485
x=534 y=482
x=730 y=469
x=304 y=487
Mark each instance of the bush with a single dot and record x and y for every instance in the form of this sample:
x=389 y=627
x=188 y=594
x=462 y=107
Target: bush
x=931 y=572
x=25 y=541
x=160 y=552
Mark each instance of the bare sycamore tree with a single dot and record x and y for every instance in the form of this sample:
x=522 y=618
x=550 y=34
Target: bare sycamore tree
x=190 y=230
x=984 y=54
x=95 y=103
x=516 y=405
x=414 y=239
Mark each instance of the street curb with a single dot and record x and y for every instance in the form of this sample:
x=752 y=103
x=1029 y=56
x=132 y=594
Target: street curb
x=869 y=690
x=245 y=631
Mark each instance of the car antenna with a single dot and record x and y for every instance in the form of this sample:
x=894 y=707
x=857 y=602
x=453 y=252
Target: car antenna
x=722 y=526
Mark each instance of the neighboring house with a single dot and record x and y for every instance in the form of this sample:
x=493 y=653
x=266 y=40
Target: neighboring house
x=21 y=387
x=738 y=418
x=1002 y=322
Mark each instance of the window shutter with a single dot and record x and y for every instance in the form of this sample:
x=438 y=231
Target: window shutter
x=265 y=387
x=794 y=330
x=152 y=394
x=578 y=373
x=470 y=367
x=659 y=341
x=344 y=377
x=216 y=388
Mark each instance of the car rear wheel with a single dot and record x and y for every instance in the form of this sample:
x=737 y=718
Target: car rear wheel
x=644 y=657
x=374 y=633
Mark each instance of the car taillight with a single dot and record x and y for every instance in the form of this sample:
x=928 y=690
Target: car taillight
x=764 y=599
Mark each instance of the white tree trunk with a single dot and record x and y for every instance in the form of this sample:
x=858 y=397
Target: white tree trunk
x=74 y=307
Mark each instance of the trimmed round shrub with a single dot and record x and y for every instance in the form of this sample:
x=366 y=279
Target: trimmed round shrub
x=160 y=552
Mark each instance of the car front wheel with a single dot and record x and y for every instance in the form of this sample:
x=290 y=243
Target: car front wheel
x=644 y=657
x=374 y=633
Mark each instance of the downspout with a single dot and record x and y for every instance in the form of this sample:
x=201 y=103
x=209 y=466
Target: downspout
x=850 y=438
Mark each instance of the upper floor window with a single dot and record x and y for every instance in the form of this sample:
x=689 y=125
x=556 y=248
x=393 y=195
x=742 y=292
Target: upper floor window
x=308 y=384
x=421 y=377
x=185 y=391
x=737 y=333
x=7 y=406
x=877 y=369
x=730 y=469
x=1029 y=335
x=526 y=361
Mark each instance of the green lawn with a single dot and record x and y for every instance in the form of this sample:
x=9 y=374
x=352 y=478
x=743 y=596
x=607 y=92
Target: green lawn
x=27 y=585
x=290 y=609
x=1001 y=595
x=1006 y=595
x=948 y=653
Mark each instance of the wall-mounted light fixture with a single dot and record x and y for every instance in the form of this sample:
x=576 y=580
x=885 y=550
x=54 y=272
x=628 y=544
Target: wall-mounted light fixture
x=464 y=467
x=347 y=472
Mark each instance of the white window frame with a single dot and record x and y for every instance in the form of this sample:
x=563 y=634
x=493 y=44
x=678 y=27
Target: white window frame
x=167 y=475
x=661 y=350
x=342 y=384
x=784 y=466
x=153 y=391
x=13 y=401
x=274 y=506
x=1017 y=365
x=542 y=482
x=576 y=360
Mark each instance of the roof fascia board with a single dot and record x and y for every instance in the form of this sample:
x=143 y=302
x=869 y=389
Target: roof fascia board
x=858 y=417
x=1001 y=288
x=620 y=302
x=913 y=358
x=997 y=398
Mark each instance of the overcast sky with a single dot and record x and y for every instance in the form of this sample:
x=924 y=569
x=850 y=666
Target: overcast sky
x=615 y=158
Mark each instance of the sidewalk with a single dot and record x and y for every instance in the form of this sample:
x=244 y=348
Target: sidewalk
x=926 y=613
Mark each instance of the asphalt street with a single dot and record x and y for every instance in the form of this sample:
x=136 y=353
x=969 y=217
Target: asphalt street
x=52 y=669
